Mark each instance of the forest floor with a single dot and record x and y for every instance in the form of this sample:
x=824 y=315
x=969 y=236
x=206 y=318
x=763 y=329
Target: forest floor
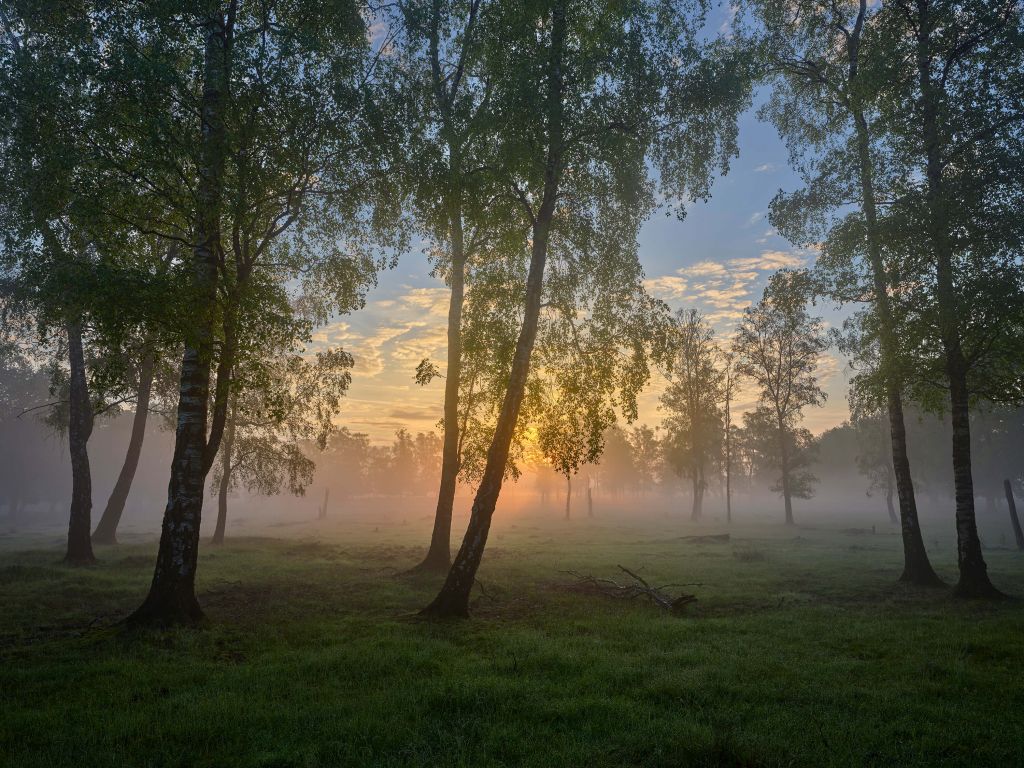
x=802 y=650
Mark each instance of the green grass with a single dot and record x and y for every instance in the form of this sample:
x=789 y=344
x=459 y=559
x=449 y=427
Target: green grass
x=801 y=651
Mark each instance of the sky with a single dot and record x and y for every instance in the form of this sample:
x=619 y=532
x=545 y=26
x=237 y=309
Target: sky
x=718 y=259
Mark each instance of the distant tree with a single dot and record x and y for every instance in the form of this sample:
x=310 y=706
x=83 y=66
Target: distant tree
x=799 y=447
x=728 y=392
x=997 y=445
x=428 y=448
x=571 y=433
x=873 y=460
x=693 y=426
x=278 y=414
x=645 y=455
x=778 y=346
x=403 y=474
x=345 y=463
x=619 y=470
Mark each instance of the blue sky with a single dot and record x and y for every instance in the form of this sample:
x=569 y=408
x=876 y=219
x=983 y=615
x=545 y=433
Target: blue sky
x=718 y=259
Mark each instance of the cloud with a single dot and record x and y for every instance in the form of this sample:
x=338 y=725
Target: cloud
x=704 y=269
x=722 y=289
x=755 y=217
x=769 y=261
x=666 y=287
x=766 y=168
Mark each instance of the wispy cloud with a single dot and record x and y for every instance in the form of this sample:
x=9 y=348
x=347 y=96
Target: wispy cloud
x=766 y=168
x=770 y=261
x=722 y=289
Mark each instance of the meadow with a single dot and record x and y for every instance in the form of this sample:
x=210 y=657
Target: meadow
x=801 y=650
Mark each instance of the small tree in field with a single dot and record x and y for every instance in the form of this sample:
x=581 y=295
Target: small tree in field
x=286 y=406
x=873 y=461
x=778 y=345
x=728 y=394
x=694 y=423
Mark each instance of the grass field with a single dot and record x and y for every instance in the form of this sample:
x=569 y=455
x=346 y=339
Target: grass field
x=801 y=651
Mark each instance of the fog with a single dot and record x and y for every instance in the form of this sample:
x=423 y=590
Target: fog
x=383 y=488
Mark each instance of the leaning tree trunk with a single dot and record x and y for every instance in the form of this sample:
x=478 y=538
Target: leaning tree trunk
x=106 y=529
x=453 y=599
x=1018 y=534
x=917 y=568
x=226 y=455
x=974 y=581
x=79 y=429
x=172 y=597
x=438 y=558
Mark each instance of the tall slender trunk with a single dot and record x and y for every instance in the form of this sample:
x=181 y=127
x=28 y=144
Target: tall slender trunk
x=438 y=558
x=590 y=501
x=322 y=512
x=172 y=598
x=784 y=464
x=1018 y=534
x=568 y=496
x=453 y=599
x=917 y=568
x=106 y=529
x=974 y=581
x=728 y=466
x=226 y=455
x=79 y=429
x=697 y=510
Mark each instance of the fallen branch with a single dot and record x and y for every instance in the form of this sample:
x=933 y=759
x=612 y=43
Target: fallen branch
x=640 y=588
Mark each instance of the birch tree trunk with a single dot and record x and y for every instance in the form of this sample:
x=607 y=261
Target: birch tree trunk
x=453 y=599
x=226 y=454
x=80 y=424
x=697 y=509
x=568 y=497
x=917 y=568
x=784 y=463
x=974 y=581
x=172 y=599
x=438 y=558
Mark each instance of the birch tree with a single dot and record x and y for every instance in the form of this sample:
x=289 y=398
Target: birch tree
x=778 y=346
x=586 y=94
x=825 y=105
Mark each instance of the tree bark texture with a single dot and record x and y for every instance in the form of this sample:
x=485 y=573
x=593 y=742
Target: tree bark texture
x=80 y=424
